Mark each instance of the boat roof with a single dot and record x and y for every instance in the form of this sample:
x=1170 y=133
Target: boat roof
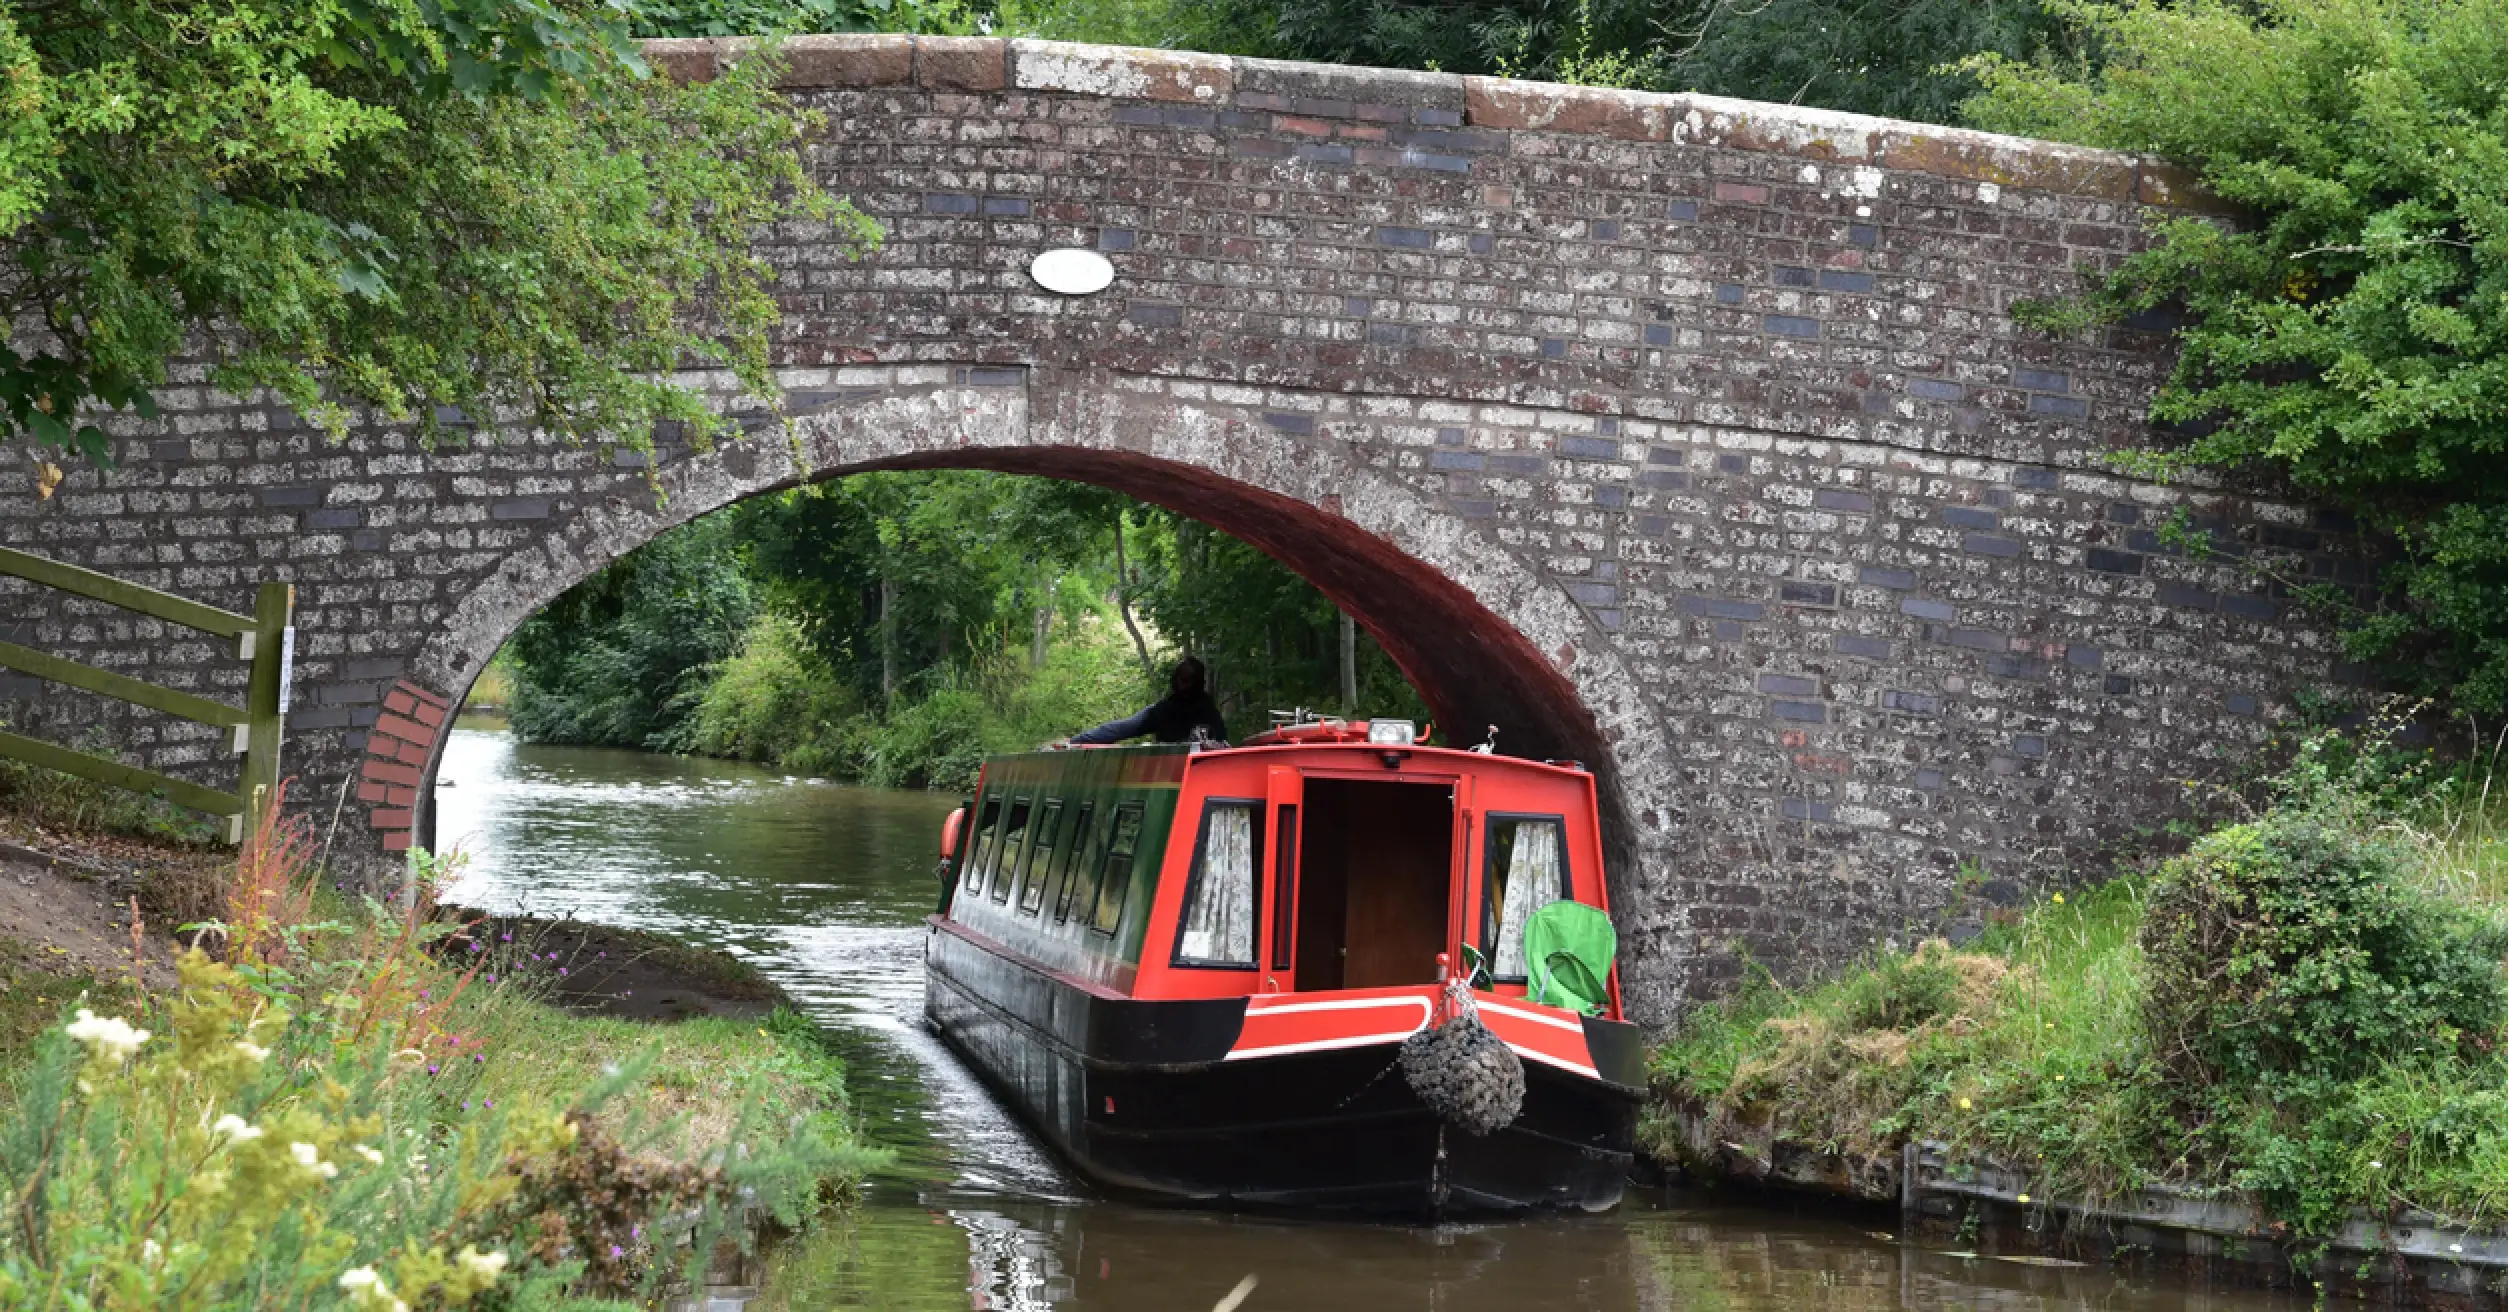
x=1265 y=744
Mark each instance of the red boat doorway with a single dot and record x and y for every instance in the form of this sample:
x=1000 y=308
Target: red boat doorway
x=1376 y=870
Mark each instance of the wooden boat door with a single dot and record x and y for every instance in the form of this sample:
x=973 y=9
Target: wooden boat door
x=1277 y=923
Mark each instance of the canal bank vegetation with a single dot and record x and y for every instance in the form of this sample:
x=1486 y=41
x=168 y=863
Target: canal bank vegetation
x=344 y=1103
x=896 y=628
x=2306 y=1006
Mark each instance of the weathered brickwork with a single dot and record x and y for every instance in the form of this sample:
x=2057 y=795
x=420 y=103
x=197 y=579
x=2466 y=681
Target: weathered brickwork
x=1689 y=438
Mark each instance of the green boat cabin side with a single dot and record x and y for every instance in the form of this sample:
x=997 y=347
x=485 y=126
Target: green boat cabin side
x=1169 y=873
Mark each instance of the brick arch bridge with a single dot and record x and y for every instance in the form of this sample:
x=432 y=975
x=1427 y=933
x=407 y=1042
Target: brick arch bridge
x=1690 y=437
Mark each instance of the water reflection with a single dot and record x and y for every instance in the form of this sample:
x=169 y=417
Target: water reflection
x=823 y=887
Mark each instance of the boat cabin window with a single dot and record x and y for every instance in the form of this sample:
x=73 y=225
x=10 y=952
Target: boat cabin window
x=1114 y=874
x=972 y=873
x=1526 y=871
x=1014 y=834
x=1218 y=926
x=1040 y=859
x=1072 y=857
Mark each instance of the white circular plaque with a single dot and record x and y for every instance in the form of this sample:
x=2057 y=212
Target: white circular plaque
x=1072 y=271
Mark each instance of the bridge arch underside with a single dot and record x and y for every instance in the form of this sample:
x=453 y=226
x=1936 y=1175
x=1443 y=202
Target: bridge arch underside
x=1488 y=642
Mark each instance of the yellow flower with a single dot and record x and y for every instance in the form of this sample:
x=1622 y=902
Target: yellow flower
x=1965 y=1105
x=2059 y=899
x=2024 y=1198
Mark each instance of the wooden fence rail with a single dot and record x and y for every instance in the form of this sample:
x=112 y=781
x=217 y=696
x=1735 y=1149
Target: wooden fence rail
x=263 y=638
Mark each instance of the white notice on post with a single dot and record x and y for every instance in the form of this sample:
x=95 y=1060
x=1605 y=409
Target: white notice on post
x=287 y=664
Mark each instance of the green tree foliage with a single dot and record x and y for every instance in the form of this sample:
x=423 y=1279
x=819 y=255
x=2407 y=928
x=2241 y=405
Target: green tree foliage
x=2351 y=333
x=789 y=17
x=1272 y=639
x=897 y=627
x=621 y=659
x=894 y=574
x=1869 y=56
x=1223 y=27
x=488 y=206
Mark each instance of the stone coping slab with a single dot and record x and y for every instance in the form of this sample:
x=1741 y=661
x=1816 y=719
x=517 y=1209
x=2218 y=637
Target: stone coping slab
x=864 y=61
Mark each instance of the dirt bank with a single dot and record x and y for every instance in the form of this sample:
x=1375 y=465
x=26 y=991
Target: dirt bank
x=597 y=970
x=68 y=918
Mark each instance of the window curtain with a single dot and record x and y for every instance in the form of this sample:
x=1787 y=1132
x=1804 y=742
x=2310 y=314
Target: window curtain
x=1532 y=882
x=1219 y=926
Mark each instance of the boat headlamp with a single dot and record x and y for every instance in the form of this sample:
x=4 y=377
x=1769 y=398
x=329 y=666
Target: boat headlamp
x=1391 y=733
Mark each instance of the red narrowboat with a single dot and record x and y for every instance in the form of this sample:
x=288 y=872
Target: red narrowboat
x=1193 y=968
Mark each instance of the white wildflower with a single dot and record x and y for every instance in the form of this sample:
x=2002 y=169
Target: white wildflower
x=252 y=1050
x=486 y=1266
x=106 y=1036
x=149 y=1252
x=367 y=1290
x=310 y=1158
x=235 y=1129
x=372 y=1157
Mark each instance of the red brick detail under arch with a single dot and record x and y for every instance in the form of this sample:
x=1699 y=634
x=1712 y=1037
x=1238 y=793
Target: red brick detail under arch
x=397 y=749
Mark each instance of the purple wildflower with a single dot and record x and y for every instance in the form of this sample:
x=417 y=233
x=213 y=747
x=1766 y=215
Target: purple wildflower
x=616 y=1251
x=561 y=972
x=430 y=1068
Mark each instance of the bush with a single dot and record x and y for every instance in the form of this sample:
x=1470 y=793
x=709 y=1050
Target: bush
x=775 y=700
x=2290 y=954
x=2347 y=334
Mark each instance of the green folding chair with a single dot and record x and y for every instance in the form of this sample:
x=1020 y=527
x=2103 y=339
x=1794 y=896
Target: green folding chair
x=1568 y=948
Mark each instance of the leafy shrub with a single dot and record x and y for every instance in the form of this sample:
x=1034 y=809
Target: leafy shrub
x=2347 y=334
x=2290 y=954
x=774 y=700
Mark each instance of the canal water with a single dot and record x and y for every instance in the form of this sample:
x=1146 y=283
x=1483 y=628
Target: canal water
x=823 y=887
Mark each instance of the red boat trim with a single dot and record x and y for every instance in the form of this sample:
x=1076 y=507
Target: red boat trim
x=994 y=946
x=1257 y=1010
x=1532 y=1045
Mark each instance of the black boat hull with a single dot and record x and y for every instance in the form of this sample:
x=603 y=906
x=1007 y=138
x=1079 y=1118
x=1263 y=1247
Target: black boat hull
x=1140 y=1096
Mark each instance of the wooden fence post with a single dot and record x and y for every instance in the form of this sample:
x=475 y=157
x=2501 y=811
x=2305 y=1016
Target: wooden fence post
x=265 y=701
